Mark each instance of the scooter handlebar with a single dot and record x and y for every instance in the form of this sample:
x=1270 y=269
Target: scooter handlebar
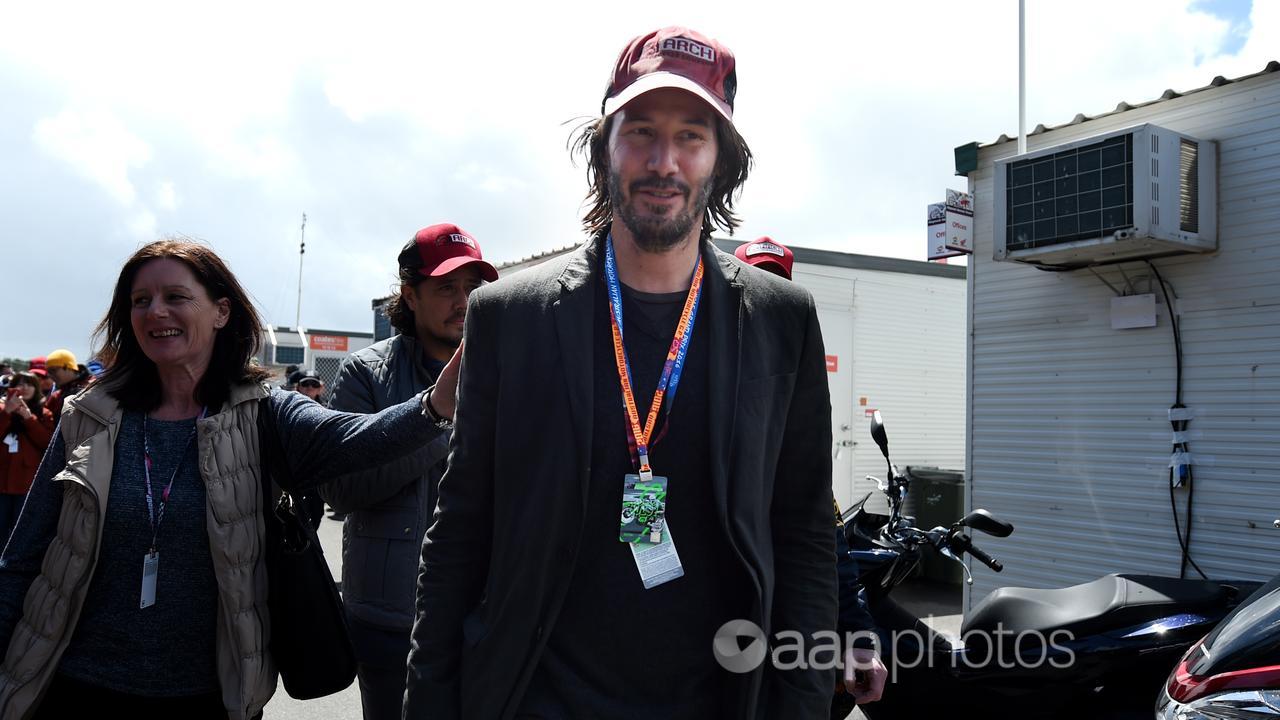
x=984 y=558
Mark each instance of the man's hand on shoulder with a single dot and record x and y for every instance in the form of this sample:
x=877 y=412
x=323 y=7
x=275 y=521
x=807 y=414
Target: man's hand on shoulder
x=444 y=398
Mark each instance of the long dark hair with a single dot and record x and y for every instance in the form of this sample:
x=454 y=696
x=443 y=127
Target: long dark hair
x=733 y=162
x=397 y=310
x=132 y=378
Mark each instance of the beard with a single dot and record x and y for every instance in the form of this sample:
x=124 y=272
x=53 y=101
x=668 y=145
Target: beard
x=445 y=335
x=658 y=233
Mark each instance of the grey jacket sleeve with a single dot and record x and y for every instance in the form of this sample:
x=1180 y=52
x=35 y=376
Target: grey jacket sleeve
x=354 y=391
x=321 y=444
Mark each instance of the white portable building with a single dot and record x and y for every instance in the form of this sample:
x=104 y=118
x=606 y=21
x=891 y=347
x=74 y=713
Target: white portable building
x=310 y=349
x=894 y=336
x=1073 y=363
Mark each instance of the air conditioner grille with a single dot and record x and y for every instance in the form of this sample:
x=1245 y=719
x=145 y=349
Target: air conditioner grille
x=1078 y=194
x=1189 y=173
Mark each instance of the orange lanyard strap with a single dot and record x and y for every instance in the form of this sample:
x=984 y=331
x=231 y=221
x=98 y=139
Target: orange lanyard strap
x=671 y=369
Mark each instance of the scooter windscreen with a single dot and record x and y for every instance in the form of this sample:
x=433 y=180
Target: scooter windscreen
x=1249 y=637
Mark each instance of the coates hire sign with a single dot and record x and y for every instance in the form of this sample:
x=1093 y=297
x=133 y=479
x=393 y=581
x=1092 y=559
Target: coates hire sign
x=951 y=226
x=331 y=343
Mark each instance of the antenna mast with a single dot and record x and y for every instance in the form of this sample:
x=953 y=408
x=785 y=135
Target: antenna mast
x=302 y=249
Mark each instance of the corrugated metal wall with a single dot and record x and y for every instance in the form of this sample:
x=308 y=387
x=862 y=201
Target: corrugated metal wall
x=1070 y=437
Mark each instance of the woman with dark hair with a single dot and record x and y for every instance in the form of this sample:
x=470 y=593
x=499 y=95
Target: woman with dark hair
x=134 y=582
x=26 y=425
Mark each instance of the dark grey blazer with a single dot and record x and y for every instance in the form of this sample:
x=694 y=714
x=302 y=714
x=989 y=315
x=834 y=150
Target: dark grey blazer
x=497 y=562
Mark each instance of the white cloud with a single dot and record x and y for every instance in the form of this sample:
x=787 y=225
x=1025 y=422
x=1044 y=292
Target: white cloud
x=98 y=146
x=229 y=120
x=142 y=224
x=487 y=179
x=167 y=196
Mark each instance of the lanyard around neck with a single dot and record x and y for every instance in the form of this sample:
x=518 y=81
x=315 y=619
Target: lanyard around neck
x=156 y=513
x=671 y=369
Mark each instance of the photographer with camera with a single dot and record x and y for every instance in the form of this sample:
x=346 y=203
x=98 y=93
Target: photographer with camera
x=26 y=426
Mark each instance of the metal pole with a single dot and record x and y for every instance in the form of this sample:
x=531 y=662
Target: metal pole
x=1022 y=76
x=302 y=248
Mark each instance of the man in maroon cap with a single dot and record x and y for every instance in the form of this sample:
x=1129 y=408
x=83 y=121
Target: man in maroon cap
x=767 y=255
x=37 y=368
x=602 y=541
x=389 y=509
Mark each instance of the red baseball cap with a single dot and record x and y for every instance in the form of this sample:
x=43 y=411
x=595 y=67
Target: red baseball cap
x=441 y=249
x=37 y=363
x=767 y=254
x=674 y=57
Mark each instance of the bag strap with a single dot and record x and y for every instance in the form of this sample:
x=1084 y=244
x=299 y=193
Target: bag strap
x=269 y=449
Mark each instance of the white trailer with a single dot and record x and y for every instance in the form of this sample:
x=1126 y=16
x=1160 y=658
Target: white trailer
x=895 y=336
x=1073 y=368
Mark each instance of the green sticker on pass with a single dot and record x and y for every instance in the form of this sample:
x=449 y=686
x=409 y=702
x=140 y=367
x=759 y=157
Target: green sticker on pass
x=644 y=509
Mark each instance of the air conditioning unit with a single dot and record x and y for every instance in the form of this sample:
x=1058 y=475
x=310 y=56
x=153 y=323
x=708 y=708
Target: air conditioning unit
x=1136 y=193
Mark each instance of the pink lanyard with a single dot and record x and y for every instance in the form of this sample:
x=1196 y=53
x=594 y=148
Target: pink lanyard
x=154 y=514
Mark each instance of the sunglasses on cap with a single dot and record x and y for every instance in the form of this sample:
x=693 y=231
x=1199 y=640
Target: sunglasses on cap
x=309 y=382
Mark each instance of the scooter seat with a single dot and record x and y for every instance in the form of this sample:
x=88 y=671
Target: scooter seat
x=1110 y=602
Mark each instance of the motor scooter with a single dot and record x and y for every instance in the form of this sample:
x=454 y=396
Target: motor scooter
x=1100 y=649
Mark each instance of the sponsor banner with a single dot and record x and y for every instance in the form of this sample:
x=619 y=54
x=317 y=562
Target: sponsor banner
x=336 y=343
x=938 y=233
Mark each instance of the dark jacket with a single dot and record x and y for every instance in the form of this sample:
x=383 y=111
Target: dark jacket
x=855 y=616
x=67 y=391
x=498 y=561
x=390 y=507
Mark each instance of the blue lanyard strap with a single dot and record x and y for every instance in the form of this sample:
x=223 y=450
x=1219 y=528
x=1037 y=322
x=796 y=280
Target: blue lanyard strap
x=669 y=382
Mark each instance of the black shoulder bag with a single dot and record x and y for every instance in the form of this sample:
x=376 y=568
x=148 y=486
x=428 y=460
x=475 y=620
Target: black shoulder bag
x=309 y=641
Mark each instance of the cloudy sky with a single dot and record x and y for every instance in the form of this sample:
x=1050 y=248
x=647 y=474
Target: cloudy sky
x=122 y=122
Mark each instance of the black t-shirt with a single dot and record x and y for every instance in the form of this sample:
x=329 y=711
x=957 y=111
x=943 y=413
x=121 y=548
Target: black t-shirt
x=618 y=650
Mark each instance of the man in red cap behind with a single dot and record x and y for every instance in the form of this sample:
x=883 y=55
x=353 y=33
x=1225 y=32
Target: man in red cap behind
x=37 y=368
x=767 y=255
x=602 y=543
x=389 y=509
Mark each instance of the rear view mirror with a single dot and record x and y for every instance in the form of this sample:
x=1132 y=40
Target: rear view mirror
x=878 y=434
x=986 y=522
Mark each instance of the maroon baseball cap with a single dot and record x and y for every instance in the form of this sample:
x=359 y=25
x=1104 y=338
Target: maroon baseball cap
x=674 y=57
x=767 y=254
x=441 y=249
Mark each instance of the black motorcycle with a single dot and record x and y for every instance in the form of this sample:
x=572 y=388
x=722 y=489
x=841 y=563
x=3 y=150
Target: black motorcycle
x=1235 y=671
x=1096 y=650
